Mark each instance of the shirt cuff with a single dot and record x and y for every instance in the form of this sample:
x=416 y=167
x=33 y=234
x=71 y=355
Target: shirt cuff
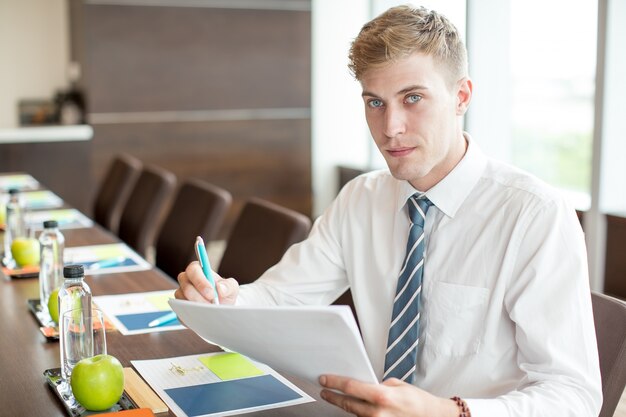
x=486 y=408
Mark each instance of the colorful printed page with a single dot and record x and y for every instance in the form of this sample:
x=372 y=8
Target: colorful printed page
x=132 y=313
x=218 y=384
x=18 y=181
x=35 y=200
x=106 y=259
x=67 y=219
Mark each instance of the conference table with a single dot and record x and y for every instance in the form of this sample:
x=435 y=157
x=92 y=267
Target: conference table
x=25 y=353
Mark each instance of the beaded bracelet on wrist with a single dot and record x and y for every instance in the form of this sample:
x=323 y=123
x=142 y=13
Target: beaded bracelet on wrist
x=463 y=408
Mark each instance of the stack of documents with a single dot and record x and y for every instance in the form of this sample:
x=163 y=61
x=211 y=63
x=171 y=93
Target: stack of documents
x=304 y=341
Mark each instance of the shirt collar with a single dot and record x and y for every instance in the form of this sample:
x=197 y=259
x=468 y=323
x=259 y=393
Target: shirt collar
x=449 y=193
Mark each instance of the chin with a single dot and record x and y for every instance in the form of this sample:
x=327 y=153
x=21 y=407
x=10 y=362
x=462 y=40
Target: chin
x=401 y=175
x=401 y=171
x=407 y=175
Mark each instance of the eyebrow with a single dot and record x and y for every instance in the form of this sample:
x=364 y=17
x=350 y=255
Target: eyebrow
x=403 y=91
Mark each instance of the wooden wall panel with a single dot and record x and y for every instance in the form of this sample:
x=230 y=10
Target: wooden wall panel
x=243 y=75
x=188 y=58
x=63 y=167
x=267 y=159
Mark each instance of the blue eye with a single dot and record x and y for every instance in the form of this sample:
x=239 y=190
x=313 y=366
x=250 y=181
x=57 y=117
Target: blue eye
x=413 y=98
x=375 y=103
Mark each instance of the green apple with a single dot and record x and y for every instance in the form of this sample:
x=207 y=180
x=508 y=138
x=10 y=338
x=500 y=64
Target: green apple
x=53 y=305
x=25 y=251
x=98 y=382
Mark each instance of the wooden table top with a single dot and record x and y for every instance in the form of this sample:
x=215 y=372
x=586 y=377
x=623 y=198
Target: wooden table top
x=25 y=353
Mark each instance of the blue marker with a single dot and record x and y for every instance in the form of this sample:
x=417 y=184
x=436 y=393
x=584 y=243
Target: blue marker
x=203 y=258
x=167 y=318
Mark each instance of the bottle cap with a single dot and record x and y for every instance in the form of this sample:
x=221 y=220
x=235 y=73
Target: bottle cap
x=13 y=191
x=50 y=224
x=73 y=271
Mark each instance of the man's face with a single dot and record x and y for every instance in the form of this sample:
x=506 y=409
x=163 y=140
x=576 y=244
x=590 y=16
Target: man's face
x=414 y=114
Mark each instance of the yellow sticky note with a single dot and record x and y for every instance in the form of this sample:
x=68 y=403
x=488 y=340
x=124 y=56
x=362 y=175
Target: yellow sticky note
x=160 y=301
x=230 y=366
x=108 y=251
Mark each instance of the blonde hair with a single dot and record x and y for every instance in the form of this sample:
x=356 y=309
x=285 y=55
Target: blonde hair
x=403 y=30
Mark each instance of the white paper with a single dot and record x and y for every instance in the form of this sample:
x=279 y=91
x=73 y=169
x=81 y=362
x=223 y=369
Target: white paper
x=135 y=303
x=158 y=374
x=304 y=341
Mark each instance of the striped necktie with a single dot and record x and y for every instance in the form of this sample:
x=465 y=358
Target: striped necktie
x=401 y=354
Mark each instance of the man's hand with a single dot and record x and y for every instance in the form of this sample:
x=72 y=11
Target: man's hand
x=391 y=398
x=195 y=287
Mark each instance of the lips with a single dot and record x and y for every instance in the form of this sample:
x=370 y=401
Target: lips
x=398 y=152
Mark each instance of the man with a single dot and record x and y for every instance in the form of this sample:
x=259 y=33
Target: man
x=489 y=299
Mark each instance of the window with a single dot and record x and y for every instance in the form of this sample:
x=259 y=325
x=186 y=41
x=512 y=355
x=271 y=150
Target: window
x=553 y=59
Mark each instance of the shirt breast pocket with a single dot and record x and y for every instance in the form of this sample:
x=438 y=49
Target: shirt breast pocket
x=456 y=315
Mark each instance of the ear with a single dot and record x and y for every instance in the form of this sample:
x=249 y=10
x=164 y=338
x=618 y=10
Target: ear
x=464 y=95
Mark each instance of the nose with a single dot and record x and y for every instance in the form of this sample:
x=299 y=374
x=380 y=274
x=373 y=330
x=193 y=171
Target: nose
x=395 y=123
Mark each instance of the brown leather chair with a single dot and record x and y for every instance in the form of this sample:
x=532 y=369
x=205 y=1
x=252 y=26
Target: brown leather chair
x=114 y=191
x=346 y=174
x=610 y=321
x=261 y=235
x=199 y=209
x=346 y=299
x=615 y=261
x=144 y=208
x=580 y=214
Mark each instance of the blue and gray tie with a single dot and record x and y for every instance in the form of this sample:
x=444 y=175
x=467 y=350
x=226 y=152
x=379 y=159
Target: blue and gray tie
x=401 y=355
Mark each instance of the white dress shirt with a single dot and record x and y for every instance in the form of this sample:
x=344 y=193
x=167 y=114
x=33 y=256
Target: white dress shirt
x=506 y=317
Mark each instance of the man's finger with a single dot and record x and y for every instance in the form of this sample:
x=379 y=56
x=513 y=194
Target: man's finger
x=197 y=280
x=351 y=387
x=347 y=403
x=187 y=291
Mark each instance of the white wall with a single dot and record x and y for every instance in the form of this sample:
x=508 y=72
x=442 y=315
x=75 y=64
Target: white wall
x=339 y=132
x=34 y=52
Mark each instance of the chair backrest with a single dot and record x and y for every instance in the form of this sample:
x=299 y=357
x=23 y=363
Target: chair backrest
x=580 y=214
x=144 y=207
x=615 y=261
x=347 y=300
x=198 y=210
x=346 y=174
x=259 y=238
x=114 y=191
x=610 y=321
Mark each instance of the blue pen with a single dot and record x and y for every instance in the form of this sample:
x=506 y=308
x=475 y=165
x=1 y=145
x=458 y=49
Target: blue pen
x=203 y=258
x=169 y=317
